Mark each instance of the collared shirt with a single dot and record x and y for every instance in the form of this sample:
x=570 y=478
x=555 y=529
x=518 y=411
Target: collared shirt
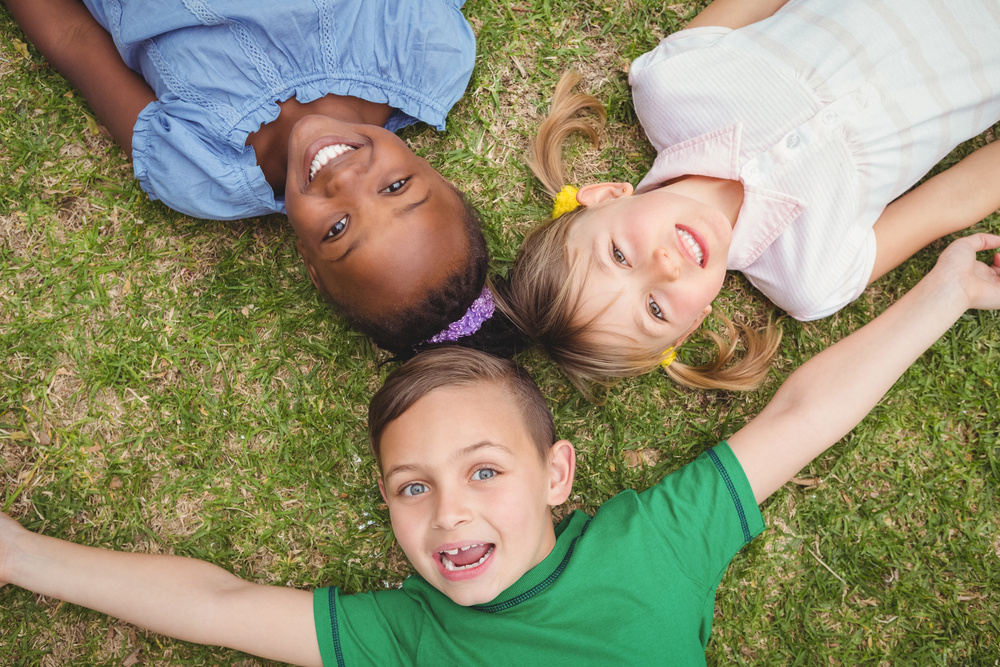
x=219 y=68
x=825 y=112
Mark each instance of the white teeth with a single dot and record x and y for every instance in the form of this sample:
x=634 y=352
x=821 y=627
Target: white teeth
x=451 y=567
x=450 y=552
x=692 y=246
x=326 y=154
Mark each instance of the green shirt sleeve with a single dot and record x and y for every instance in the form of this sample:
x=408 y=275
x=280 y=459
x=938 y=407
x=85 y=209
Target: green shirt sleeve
x=704 y=513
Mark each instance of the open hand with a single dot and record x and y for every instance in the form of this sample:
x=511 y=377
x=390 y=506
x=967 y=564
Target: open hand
x=979 y=281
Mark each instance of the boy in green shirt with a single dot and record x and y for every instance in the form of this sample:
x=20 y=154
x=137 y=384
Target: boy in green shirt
x=469 y=472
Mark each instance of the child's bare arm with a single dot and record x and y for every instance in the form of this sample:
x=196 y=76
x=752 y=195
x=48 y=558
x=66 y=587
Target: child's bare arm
x=828 y=395
x=76 y=45
x=735 y=13
x=953 y=200
x=178 y=597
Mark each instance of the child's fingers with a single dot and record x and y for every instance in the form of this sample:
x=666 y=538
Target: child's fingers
x=984 y=241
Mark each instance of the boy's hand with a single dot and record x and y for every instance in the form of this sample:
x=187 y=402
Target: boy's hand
x=9 y=530
x=829 y=394
x=980 y=282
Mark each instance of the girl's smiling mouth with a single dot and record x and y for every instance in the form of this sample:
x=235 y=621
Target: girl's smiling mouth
x=325 y=150
x=692 y=246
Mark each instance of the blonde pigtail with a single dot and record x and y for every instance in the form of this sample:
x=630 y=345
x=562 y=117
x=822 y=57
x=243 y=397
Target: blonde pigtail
x=726 y=371
x=566 y=116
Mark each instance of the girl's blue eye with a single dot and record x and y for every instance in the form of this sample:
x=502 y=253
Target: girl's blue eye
x=618 y=255
x=654 y=309
x=337 y=229
x=484 y=474
x=396 y=186
x=414 y=489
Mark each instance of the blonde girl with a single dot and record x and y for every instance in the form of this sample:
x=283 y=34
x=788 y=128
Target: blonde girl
x=783 y=132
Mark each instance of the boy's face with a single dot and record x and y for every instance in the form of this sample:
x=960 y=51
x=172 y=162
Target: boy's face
x=377 y=225
x=468 y=493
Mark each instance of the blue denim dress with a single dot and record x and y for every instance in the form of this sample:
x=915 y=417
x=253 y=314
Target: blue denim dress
x=219 y=68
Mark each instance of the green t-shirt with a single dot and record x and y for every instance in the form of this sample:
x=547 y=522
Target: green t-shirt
x=634 y=584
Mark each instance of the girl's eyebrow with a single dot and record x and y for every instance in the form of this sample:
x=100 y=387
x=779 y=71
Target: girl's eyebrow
x=642 y=323
x=414 y=205
x=351 y=248
x=602 y=259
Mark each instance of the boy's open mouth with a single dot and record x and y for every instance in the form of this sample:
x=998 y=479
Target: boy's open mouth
x=325 y=154
x=465 y=558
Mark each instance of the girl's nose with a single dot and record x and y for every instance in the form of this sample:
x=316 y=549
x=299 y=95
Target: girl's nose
x=345 y=178
x=666 y=264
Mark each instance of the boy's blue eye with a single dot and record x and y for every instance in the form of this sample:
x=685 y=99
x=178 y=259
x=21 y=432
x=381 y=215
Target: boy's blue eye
x=337 y=229
x=396 y=186
x=414 y=489
x=484 y=473
x=654 y=309
x=618 y=255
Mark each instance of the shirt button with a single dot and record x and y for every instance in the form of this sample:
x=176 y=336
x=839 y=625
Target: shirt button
x=751 y=170
x=792 y=141
x=829 y=117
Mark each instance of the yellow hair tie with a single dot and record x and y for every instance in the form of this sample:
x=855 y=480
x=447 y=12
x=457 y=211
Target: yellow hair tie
x=669 y=356
x=565 y=201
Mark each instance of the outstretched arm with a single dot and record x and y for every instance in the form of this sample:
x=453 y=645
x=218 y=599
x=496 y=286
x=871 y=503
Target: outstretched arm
x=951 y=201
x=178 y=597
x=735 y=13
x=76 y=45
x=829 y=394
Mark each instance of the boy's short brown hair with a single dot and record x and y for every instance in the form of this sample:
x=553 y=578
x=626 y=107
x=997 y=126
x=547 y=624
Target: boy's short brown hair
x=451 y=366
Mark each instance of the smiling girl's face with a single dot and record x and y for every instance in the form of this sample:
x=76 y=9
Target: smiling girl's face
x=377 y=225
x=647 y=266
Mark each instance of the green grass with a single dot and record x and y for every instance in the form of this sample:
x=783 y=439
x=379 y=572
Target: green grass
x=174 y=385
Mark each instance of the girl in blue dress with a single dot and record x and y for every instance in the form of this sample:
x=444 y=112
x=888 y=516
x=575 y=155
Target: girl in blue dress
x=231 y=109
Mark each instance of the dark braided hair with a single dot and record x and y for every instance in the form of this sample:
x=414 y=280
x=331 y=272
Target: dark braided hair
x=402 y=331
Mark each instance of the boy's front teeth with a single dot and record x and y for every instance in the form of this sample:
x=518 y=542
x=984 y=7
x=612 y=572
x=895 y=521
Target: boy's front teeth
x=452 y=567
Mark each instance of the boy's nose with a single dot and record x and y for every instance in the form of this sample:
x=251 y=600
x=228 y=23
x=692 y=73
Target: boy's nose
x=452 y=509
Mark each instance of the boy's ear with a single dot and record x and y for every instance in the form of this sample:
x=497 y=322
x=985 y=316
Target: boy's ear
x=694 y=325
x=309 y=267
x=562 y=469
x=595 y=193
x=381 y=489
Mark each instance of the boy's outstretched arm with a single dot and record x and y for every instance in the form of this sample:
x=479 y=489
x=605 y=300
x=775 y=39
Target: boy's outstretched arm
x=829 y=394
x=76 y=45
x=178 y=597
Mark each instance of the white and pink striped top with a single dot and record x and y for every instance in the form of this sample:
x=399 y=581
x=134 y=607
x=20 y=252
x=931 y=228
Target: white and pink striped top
x=826 y=112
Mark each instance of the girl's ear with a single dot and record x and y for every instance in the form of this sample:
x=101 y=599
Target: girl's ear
x=562 y=468
x=309 y=267
x=381 y=489
x=595 y=193
x=694 y=325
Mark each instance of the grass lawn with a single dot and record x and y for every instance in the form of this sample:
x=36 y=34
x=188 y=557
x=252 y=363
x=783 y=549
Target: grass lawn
x=173 y=385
